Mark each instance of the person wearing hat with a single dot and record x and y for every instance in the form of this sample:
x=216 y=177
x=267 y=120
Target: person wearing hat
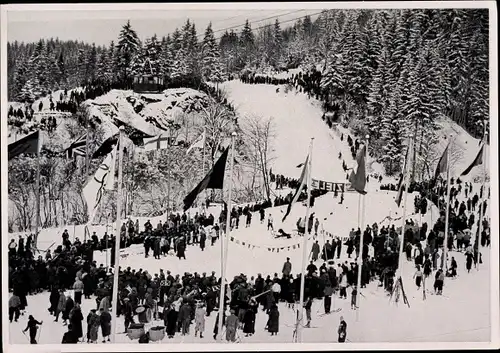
x=105 y=322
x=92 y=326
x=231 y=326
x=287 y=267
x=249 y=318
x=128 y=312
x=342 y=330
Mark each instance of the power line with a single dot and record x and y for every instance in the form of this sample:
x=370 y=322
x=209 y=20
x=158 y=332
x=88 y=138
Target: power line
x=250 y=22
x=290 y=20
x=241 y=15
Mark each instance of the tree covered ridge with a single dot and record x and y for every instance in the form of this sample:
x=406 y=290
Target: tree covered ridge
x=390 y=70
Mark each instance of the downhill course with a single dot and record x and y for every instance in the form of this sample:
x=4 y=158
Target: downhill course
x=462 y=314
x=296 y=121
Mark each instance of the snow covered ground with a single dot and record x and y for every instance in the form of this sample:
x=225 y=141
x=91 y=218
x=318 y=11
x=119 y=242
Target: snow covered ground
x=462 y=314
x=297 y=120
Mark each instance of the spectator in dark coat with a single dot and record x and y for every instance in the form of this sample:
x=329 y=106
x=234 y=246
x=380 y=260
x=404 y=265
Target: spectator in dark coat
x=273 y=322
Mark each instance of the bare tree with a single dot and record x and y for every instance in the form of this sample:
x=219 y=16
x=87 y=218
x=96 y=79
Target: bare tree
x=259 y=135
x=219 y=122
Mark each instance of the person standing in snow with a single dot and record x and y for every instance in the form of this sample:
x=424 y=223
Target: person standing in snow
x=199 y=319
x=78 y=289
x=469 y=258
x=14 y=305
x=453 y=267
x=185 y=317
x=92 y=326
x=249 y=318
x=105 y=322
x=342 y=330
x=343 y=285
x=354 y=295
x=418 y=277
x=287 y=268
x=249 y=219
x=231 y=326
x=438 y=282
x=270 y=222
x=316 y=226
x=308 y=306
x=273 y=322
x=328 y=297
x=33 y=327
x=315 y=251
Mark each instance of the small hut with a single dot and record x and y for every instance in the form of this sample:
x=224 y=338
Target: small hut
x=147 y=81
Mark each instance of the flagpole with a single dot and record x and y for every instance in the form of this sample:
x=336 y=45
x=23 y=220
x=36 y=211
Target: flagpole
x=300 y=313
x=405 y=198
x=203 y=165
x=361 y=242
x=37 y=186
x=87 y=147
x=481 y=215
x=223 y=259
x=114 y=301
x=447 y=214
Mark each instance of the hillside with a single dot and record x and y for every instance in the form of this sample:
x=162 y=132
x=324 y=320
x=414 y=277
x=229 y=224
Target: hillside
x=149 y=113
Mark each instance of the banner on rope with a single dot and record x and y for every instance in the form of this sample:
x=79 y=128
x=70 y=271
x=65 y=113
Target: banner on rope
x=327 y=185
x=270 y=249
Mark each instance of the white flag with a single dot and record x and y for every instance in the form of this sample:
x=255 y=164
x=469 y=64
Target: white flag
x=198 y=143
x=156 y=143
x=102 y=180
x=109 y=183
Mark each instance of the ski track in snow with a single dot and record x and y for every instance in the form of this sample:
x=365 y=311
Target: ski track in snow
x=462 y=314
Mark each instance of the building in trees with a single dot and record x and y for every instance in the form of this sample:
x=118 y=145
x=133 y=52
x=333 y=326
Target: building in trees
x=146 y=81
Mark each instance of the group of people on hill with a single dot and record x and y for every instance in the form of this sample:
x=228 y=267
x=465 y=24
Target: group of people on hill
x=190 y=298
x=20 y=113
x=253 y=78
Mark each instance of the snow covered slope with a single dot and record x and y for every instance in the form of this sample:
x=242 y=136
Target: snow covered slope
x=463 y=151
x=297 y=119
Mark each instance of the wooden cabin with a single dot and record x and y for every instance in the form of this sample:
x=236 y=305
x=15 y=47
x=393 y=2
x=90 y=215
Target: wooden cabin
x=147 y=81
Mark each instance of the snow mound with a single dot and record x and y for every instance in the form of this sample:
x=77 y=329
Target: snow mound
x=149 y=113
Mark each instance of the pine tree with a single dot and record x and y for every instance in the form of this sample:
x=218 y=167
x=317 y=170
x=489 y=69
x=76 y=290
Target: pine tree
x=91 y=64
x=102 y=72
x=20 y=78
x=178 y=57
x=211 y=65
x=128 y=47
x=392 y=135
x=167 y=59
x=112 y=62
x=277 y=45
x=62 y=79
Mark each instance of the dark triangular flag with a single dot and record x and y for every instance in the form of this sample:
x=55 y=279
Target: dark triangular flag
x=442 y=165
x=106 y=147
x=213 y=180
x=477 y=161
x=134 y=134
x=28 y=144
x=302 y=182
x=358 y=179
